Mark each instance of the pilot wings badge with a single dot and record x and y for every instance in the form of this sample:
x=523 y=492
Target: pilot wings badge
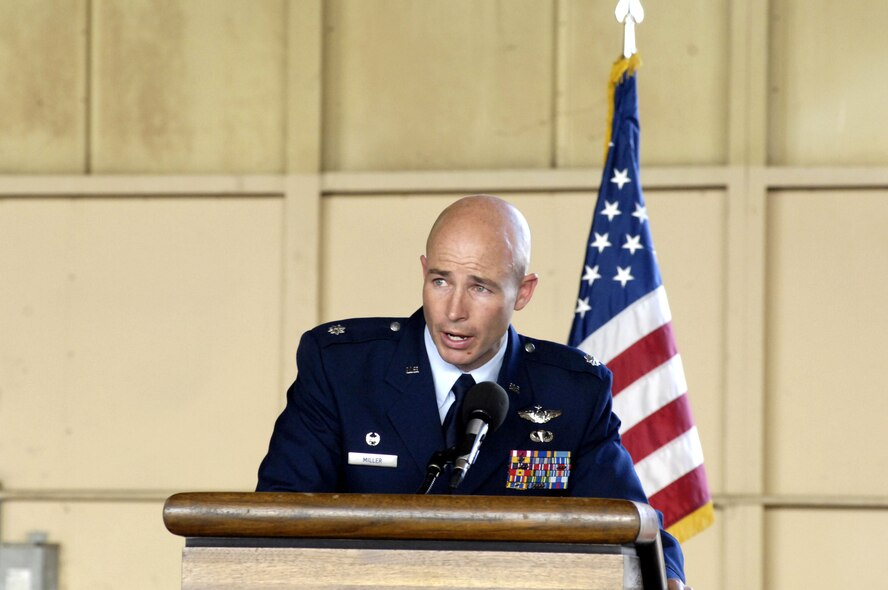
x=538 y=415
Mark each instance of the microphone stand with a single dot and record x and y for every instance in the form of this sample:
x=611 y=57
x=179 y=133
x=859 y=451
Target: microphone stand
x=437 y=463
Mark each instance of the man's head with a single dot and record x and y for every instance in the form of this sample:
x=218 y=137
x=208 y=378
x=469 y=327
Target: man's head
x=475 y=277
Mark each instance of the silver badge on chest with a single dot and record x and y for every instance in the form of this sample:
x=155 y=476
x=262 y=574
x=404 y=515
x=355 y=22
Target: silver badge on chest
x=541 y=436
x=538 y=415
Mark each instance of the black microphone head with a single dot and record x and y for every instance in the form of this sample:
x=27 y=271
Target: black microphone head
x=486 y=400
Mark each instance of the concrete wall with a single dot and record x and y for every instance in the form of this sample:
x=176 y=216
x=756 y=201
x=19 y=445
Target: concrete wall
x=186 y=185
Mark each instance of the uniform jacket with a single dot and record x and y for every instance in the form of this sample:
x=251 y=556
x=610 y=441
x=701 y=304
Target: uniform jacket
x=364 y=386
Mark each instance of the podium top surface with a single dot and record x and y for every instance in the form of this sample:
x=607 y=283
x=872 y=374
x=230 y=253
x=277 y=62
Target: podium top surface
x=395 y=516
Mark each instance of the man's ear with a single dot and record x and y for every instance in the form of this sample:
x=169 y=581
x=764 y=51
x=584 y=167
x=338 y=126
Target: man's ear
x=525 y=290
x=425 y=264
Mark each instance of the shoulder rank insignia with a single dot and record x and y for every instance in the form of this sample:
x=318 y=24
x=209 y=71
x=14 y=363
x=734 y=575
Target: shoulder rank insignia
x=538 y=415
x=592 y=360
x=336 y=330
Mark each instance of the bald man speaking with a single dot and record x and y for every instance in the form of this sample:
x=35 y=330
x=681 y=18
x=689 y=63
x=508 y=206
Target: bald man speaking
x=374 y=398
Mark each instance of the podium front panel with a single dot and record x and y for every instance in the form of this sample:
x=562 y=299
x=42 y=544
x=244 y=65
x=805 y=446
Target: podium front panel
x=311 y=568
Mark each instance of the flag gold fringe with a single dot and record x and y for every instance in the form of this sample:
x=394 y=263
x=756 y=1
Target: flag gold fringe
x=620 y=68
x=693 y=523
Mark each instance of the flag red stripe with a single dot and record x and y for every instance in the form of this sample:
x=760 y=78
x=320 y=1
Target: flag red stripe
x=642 y=357
x=659 y=428
x=681 y=497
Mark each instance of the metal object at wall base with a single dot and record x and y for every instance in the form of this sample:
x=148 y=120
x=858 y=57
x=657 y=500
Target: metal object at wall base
x=29 y=566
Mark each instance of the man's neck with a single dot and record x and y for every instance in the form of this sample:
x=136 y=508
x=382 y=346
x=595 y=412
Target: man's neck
x=445 y=374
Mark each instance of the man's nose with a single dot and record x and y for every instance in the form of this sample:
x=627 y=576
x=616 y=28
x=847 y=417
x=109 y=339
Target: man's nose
x=456 y=306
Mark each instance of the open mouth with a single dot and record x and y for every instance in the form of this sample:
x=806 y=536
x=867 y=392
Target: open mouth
x=456 y=339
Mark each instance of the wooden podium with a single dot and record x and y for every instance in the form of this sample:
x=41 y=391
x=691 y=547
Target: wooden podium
x=253 y=541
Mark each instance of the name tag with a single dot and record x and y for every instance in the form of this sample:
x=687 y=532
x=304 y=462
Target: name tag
x=372 y=460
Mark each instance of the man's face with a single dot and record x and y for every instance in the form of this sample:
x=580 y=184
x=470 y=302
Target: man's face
x=469 y=294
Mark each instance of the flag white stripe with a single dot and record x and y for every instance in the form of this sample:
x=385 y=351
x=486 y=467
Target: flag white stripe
x=650 y=393
x=627 y=327
x=671 y=461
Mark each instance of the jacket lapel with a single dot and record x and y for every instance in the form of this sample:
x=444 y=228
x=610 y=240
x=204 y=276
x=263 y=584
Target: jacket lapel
x=414 y=412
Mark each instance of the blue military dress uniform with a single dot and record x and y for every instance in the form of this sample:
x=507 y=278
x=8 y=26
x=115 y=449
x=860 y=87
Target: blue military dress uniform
x=362 y=417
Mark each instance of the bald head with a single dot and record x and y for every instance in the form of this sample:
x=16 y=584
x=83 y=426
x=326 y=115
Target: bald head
x=474 y=278
x=486 y=215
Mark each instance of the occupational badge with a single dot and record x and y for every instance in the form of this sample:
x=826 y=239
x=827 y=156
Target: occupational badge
x=538 y=415
x=372 y=438
x=541 y=436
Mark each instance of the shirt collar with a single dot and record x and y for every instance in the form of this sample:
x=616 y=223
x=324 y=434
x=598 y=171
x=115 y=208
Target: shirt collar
x=445 y=375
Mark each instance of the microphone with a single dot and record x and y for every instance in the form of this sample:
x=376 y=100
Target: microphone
x=483 y=410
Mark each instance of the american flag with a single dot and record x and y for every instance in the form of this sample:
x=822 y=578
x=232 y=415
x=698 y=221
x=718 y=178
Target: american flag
x=623 y=318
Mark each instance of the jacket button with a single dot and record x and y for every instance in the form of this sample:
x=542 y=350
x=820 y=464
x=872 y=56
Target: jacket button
x=529 y=347
x=394 y=326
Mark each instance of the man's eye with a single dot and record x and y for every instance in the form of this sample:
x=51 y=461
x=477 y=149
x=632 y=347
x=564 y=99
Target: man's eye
x=438 y=282
x=481 y=289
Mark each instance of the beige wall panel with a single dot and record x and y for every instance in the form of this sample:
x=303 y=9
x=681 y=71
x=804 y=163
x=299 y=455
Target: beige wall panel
x=824 y=549
x=370 y=266
x=192 y=87
x=827 y=91
x=370 y=249
x=304 y=43
x=826 y=322
x=683 y=83
x=422 y=84
x=703 y=555
x=141 y=341
x=104 y=546
x=43 y=68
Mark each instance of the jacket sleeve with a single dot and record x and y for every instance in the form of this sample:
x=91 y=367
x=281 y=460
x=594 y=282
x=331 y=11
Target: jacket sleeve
x=305 y=454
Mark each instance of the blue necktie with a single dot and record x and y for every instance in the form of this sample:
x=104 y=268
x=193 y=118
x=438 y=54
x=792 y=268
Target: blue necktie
x=462 y=385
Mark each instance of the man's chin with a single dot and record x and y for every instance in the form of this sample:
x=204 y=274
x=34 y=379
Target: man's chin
x=457 y=358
